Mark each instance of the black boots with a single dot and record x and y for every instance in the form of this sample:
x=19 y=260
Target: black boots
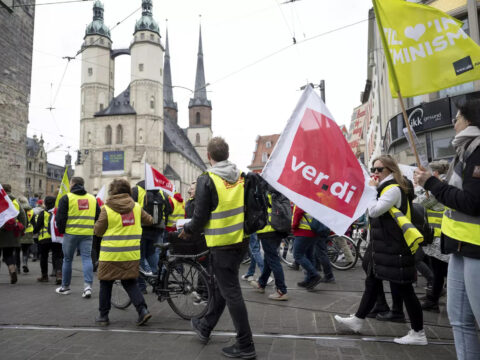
x=143 y=316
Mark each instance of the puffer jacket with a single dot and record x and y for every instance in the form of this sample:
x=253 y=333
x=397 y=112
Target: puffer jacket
x=118 y=270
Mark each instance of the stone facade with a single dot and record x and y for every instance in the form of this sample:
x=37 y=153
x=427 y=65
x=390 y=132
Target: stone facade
x=36 y=171
x=16 y=44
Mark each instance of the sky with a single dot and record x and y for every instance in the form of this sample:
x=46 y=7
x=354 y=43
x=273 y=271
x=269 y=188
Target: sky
x=252 y=65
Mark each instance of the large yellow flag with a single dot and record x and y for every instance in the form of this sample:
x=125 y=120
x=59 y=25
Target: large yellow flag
x=426 y=49
x=64 y=187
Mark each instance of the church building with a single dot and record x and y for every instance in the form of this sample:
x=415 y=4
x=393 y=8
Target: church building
x=119 y=134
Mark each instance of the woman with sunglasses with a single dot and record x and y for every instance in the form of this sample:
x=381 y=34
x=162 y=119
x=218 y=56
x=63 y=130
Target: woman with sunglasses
x=390 y=259
x=460 y=237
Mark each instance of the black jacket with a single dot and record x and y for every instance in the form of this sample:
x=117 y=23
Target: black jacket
x=466 y=201
x=150 y=196
x=62 y=211
x=390 y=258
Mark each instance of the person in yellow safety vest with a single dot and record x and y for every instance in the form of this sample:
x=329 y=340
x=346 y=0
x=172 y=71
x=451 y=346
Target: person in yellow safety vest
x=460 y=237
x=120 y=224
x=438 y=261
x=9 y=238
x=178 y=211
x=75 y=217
x=45 y=244
x=390 y=257
x=26 y=240
x=219 y=213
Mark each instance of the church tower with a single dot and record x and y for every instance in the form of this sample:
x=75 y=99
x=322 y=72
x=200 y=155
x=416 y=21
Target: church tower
x=170 y=107
x=146 y=91
x=199 y=131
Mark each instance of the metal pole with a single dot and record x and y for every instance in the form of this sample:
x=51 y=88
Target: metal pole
x=322 y=89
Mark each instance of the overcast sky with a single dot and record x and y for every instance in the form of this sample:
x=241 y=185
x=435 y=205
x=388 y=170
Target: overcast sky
x=247 y=100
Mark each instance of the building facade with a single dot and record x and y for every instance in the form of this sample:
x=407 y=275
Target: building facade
x=264 y=146
x=118 y=135
x=16 y=44
x=36 y=168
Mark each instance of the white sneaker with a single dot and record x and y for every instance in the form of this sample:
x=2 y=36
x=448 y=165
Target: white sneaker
x=87 y=293
x=247 y=278
x=352 y=322
x=257 y=287
x=270 y=281
x=62 y=291
x=413 y=338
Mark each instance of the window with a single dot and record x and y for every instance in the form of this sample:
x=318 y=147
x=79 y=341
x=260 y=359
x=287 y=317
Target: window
x=140 y=67
x=40 y=167
x=264 y=157
x=142 y=36
x=268 y=144
x=28 y=181
x=90 y=71
x=140 y=135
x=152 y=37
x=119 y=134
x=152 y=102
x=40 y=183
x=51 y=188
x=89 y=137
x=30 y=165
x=197 y=118
x=197 y=139
x=108 y=135
x=101 y=41
x=101 y=107
x=443 y=148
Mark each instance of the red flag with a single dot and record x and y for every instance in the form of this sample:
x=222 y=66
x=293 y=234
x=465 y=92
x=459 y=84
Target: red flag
x=102 y=196
x=7 y=209
x=314 y=166
x=154 y=180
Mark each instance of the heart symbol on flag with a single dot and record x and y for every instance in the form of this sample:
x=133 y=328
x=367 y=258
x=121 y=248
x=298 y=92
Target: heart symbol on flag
x=416 y=32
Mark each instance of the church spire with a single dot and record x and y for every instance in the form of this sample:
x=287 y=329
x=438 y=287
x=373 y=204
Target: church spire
x=200 y=95
x=168 y=102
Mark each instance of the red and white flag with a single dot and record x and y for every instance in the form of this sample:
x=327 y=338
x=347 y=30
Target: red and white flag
x=154 y=180
x=313 y=165
x=57 y=237
x=102 y=196
x=7 y=209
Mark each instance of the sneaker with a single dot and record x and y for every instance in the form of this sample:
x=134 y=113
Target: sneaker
x=330 y=280
x=257 y=287
x=413 y=338
x=63 y=291
x=270 y=281
x=391 y=316
x=278 y=296
x=102 y=320
x=430 y=305
x=352 y=322
x=44 y=278
x=143 y=316
x=146 y=273
x=234 y=351
x=25 y=269
x=294 y=266
x=202 y=335
x=313 y=282
x=302 y=284
x=87 y=293
x=248 y=277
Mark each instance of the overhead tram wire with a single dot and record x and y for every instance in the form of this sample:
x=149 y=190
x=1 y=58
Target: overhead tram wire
x=51 y=3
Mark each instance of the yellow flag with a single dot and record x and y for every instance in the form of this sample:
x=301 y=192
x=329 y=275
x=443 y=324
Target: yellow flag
x=426 y=49
x=64 y=187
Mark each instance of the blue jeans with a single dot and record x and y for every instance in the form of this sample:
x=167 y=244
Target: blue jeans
x=255 y=255
x=70 y=244
x=148 y=255
x=321 y=257
x=303 y=248
x=272 y=263
x=463 y=305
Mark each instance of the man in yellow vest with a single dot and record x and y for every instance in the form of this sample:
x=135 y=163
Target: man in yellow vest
x=76 y=215
x=219 y=213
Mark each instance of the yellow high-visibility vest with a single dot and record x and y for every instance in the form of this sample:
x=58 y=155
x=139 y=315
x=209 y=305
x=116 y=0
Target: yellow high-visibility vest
x=29 y=228
x=16 y=204
x=225 y=226
x=268 y=227
x=413 y=237
x=81 y=214
x=435 y=221
x=460 y=226
x=304 y=224
x=141 y=196
x=43 y=234
x=177 y=213
x=121 y=241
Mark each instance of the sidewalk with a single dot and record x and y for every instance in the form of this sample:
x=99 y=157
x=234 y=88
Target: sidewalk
x=37 y=323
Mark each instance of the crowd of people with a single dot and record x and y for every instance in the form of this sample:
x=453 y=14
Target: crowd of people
x=117 y=240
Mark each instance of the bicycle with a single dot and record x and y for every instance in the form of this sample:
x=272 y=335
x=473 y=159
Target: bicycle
x=181 y=280
x=342 y=252
x=359 y=235
x=285 y=250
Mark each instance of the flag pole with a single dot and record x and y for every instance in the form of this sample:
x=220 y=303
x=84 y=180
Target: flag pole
x=410 y=134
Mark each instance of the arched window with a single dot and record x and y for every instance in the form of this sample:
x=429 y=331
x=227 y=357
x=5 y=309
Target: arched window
x=197 y=118
x=140 y=135
x=108 y=135
x=197 y=139
x=119 y=134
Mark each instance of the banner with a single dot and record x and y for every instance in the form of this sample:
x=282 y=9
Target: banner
x=154 y=180
x=426 y=50
x=7 y=209
x=314 y=166
x=57 y=237
x=102 y=196
x=64 y=187
x=113 y=162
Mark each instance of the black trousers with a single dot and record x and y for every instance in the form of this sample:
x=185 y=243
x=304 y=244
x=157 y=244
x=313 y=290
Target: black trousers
x=25 y=249
x=57 y=256
x=372 y=288
x=130 y=286
x=440 y=271
x=227 y=292
x=8 y=255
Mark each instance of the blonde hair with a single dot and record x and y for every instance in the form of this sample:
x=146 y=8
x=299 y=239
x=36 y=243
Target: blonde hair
x=391 y=164
x=440 y=165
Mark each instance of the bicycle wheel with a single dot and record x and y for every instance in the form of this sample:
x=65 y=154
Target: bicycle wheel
x=120 y=298
x=285 y=251
x=361 y=247
x=342 y=252
x=189 y=288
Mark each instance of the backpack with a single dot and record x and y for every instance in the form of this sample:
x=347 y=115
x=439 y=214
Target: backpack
x=255 y=206
x=420 y=221
x=281 y=218
x=318 y=227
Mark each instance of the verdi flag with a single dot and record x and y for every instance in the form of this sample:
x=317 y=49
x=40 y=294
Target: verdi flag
x=64 y=187
x=314 y=166
x=426 y=49
x=102 y=196
x=7 y=209
x=154 y=180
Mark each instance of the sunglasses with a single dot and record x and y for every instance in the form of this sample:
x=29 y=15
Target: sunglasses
x=375 y=169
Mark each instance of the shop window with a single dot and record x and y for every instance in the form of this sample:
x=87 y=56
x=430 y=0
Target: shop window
x=443 y=148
